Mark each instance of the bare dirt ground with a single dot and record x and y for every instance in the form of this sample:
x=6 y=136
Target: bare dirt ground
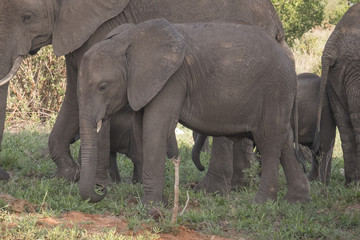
x=98 y=223
x=95 y=223
x=92 y=223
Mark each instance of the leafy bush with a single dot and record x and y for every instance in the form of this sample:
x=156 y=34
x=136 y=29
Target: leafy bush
x=337 y=12
x=38 y=88
x=353 y=1
x=299 y=16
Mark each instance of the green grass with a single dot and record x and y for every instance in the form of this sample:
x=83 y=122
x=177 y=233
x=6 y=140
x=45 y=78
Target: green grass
x=334 y=212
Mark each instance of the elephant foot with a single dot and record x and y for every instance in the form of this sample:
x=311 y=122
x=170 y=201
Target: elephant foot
x=69 y=173
x=262 y=196
x=313 y=175
x=4 y=175
x=301 y=194
x=238 y=182
x=214 y=184
x=115 y=176
x=349 y=181
x=116 y=180
x=353 y=177
x=320 y=178
x=153 y=200
x=297 y=197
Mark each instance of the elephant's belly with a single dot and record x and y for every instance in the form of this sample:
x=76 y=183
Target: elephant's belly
x=218 y=120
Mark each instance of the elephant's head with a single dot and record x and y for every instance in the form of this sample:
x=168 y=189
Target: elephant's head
x=27 y=25
x=130 y=66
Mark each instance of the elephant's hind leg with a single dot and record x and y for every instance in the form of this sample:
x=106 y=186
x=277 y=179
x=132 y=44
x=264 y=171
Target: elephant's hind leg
x=243 y=156
x=347 y=135
x=354 y=110
x=218 y=176
x=297 y=182
x=269 y=180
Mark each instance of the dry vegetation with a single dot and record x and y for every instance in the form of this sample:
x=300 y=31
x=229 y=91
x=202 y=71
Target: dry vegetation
x=308 y=49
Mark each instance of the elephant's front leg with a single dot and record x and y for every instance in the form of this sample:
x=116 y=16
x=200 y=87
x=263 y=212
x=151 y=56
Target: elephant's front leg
x=220 y=171
x=156 y=129
x=66 y=128
x=136 y=147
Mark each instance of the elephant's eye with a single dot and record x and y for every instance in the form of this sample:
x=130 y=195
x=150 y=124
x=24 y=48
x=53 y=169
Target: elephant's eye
x=103 y=86
x=27 y=18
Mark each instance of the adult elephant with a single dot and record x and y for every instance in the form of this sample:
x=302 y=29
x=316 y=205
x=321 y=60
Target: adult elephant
x=340 y=80
x=74 y=26
x=228 y=162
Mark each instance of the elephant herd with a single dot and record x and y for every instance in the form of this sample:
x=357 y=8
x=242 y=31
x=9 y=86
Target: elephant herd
x=137 y=68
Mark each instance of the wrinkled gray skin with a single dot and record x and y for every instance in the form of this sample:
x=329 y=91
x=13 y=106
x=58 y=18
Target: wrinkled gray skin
x=74 y=26
x=340 y=80
x=126 y=138
x=168 y=82
x=224 y=171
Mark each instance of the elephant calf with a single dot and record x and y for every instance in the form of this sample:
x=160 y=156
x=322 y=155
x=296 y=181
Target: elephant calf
x=308 y=99
x=216 y=78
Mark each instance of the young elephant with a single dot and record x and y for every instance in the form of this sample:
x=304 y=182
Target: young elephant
x=216 y=78
x=229 y=172
x=308 y=98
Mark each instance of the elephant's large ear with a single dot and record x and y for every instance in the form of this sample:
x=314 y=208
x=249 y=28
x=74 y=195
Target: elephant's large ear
x=79 y=19
x=155 y=54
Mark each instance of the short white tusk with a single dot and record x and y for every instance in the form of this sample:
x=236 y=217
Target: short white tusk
x=12 y=72
x=99 y=124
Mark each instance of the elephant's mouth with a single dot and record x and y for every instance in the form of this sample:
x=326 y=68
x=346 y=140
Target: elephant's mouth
x=33 y=52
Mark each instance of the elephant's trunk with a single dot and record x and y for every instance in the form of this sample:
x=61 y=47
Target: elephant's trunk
x=89 y=163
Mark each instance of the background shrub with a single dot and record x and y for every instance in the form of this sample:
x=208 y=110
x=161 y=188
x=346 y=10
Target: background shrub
x=38 y=89
x=299 y=16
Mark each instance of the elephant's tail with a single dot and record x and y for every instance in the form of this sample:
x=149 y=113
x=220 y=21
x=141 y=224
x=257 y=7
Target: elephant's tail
x=195 y=153
x=327 y=60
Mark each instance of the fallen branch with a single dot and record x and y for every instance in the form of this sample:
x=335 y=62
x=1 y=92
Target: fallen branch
x=187 y=202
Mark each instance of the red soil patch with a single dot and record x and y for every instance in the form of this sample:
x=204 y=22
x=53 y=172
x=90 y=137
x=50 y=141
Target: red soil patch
x=92 y=223
x=97 y=223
